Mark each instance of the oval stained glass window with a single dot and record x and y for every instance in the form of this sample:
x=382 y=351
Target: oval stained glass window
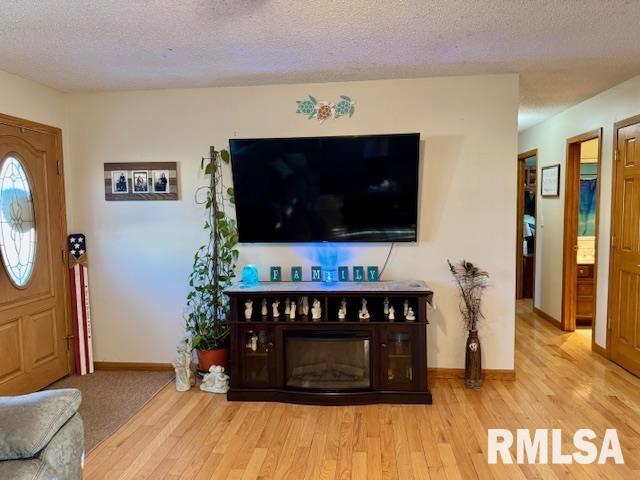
x=17 y=221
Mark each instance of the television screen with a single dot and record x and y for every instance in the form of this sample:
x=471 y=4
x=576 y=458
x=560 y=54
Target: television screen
x=326 y=189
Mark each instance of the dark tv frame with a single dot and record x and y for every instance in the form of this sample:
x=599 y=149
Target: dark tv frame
x=352 y=242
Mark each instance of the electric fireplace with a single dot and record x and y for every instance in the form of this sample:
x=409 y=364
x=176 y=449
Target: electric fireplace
x=328 y=360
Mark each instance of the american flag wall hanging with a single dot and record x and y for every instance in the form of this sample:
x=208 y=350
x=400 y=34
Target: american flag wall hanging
x=79 y=282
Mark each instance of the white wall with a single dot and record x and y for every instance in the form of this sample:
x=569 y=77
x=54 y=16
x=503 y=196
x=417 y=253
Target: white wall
x=141 y=252
x=31 y=101
x=549 y=137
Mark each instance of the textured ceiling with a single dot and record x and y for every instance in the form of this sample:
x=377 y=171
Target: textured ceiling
x=565 y=50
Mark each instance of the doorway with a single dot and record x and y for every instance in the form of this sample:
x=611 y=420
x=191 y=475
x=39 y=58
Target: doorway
x=580 y=257
x=526 y=224
x=623 y=336
x=34 y=305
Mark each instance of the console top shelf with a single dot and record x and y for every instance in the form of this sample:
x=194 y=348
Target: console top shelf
x=391 y=287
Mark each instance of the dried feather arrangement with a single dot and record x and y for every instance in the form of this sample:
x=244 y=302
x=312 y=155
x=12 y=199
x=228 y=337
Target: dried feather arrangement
x=472 y=282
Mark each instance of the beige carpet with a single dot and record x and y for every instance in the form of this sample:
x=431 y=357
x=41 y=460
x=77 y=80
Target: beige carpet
x=110 y=398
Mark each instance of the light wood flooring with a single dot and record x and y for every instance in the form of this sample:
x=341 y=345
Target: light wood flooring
x=560 y=384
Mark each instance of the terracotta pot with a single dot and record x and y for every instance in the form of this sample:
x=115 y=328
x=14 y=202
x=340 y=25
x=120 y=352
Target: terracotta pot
x=473 y=361
x=206 y=358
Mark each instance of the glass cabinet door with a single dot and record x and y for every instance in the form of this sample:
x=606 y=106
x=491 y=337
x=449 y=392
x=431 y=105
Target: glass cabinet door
x=397 y=350
x=256 y=355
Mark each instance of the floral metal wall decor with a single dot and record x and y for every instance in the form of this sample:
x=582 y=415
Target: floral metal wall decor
x=326 y=110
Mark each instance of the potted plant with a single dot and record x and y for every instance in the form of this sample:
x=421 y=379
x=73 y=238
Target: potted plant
x=213 y=269
x=471 y=282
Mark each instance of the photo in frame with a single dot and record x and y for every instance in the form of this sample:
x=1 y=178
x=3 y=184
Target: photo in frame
x=160 y=181
x=119 y=182
x=140 y=181
x=550 y=181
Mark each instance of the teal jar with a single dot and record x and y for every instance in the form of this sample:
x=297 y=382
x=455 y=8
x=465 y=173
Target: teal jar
x=249 y=275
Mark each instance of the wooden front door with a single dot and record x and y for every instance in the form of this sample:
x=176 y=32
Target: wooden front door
x=33 y=271
x=625 y=259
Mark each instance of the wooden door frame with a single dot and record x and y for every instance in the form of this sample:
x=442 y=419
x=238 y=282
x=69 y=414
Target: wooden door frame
x=519 y=222
x=56 y=133
x=614 y=195
x=570 y=235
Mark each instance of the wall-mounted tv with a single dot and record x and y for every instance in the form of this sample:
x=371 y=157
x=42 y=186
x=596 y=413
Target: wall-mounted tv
x=326 y=189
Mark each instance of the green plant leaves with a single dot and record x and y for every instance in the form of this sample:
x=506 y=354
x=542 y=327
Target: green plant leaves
x=213 y=265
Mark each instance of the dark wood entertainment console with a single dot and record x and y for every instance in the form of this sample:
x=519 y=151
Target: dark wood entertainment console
x=330 y=361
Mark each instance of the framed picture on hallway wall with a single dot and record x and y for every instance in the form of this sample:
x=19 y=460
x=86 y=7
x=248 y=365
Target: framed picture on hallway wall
x=550 y=184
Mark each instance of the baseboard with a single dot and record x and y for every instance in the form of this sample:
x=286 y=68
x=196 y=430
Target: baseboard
x=599 y=350
x=547 y=317
x=458 y=373
x=138 y=366
x=440 y=373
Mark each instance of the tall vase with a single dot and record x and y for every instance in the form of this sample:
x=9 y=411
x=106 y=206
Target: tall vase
x=473 y=361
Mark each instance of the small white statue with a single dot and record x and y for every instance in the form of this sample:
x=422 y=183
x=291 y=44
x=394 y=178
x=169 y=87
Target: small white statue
x=411 y=317
x=341 y=313
x=292 y=312
x=305 y=306
x=406 y=308
x=276 y=313
x=182 y=367
x=253 y=343
x=287 y=307
x=263 y=310
x=392 y=313
x=343 y=305
x=216 y=381
x=316 y=310
x=363 y=314
x=248 y=309
x=386 y=306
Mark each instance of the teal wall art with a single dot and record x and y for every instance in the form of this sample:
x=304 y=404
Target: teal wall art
x=322 y=111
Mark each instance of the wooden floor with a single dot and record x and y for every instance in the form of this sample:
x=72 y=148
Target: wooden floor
x=560 y=384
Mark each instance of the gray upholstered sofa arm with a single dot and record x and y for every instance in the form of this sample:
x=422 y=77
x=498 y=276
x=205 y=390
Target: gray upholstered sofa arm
x=41 y=433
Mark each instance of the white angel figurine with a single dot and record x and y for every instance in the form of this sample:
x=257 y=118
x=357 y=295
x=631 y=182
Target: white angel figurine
x=263 y=309
x=363 y=314
x=216 y=381
x=316 y=310
x=292 y=311
x=411 y=317
x=182 y=367
x=392 y=313
x=343 y=305
x=276 y=313
x=248 y=309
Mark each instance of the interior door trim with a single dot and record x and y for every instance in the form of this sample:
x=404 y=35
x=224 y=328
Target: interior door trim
x=570 y=230
x=519 y=223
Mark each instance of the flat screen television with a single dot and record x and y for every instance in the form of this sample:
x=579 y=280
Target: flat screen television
x=326 y=189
